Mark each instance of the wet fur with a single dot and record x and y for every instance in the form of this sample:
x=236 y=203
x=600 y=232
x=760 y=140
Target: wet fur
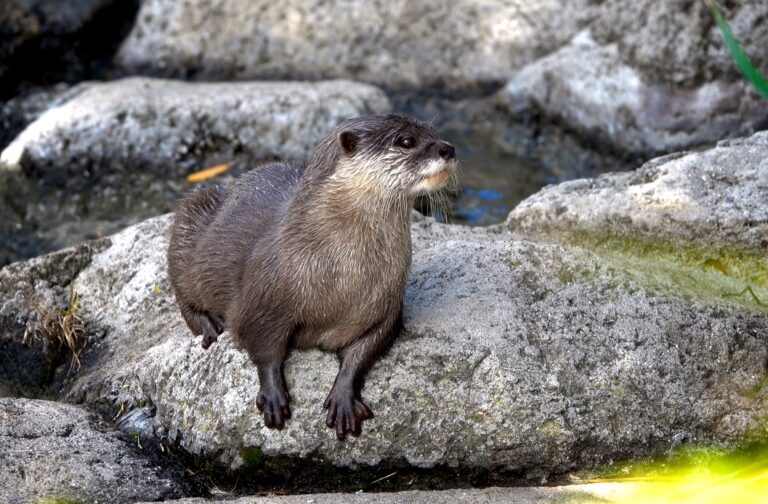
x=306 y=256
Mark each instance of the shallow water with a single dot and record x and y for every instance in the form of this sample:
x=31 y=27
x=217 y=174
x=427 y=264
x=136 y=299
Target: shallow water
x=504 y=160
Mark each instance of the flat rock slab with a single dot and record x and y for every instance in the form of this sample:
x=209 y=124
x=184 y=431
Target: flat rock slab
x=170 y=127
x=515 y=495
x=591 y=89
x=455 y=45
x=60 y=451
x=718 y=196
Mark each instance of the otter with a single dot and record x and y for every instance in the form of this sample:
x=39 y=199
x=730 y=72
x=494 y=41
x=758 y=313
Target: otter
x=295 y=255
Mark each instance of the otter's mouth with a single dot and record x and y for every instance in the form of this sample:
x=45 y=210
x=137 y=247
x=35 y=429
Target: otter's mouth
x=434 y=176
x=440 y=177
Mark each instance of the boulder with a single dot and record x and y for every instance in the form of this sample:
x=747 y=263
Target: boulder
x=168 y=127
x=718 y=196
x=520 y=351
x=56 y=451
x=45 y=41
x=677 y=42
x=532 y=357
x=437 y=43
x=590 y=89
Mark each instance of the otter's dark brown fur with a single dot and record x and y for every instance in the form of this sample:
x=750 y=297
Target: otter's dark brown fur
x=310 y=256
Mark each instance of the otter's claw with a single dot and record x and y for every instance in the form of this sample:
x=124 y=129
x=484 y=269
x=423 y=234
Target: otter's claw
x=273 y=403
x=346 y=414
x=208 y=340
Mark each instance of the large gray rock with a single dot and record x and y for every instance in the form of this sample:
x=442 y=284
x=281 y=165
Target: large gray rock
x=456 y=45
x=170 y=127
x=59 y=451
x=718 y=196
x=533 y=357
x=677 y=41
x=591 y=89
x=45 y=41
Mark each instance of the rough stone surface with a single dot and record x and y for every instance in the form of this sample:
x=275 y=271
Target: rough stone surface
x=170 y=128
x=456 y=45
x=538 y=358
x=590 y=89
x=41 y=282
x=533 y=357
x=718 y=196
x=18 y=112
x=514 y=495
x=54 y=450
x=677 y=41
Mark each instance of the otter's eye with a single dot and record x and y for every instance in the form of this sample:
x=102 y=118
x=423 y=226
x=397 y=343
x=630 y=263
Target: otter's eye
x=406 y=142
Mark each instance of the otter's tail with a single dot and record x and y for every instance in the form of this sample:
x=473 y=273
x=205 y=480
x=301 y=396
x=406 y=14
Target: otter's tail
x=194 y=215
x=192 y=218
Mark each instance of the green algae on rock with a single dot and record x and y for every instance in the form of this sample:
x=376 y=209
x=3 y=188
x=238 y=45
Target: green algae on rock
x=737 y=277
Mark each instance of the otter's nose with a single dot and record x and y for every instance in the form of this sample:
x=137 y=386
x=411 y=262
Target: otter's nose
x=447 y=151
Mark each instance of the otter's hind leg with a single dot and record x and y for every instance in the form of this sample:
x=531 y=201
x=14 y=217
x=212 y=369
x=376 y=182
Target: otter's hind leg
x=210 y=326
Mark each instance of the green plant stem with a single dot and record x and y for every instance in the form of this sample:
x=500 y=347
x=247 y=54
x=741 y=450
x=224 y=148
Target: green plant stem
x=739 y=56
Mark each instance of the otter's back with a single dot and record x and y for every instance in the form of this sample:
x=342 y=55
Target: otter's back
x=246 y=221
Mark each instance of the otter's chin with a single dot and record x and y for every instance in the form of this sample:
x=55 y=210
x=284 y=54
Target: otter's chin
x=434 y=179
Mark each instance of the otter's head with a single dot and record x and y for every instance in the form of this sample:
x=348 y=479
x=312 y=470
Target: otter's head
x=391 y=154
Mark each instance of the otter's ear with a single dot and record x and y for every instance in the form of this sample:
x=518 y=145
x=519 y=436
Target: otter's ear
x=348 y=141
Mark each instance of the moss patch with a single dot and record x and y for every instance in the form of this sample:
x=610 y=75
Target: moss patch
x=252 y=456
x=730 y=276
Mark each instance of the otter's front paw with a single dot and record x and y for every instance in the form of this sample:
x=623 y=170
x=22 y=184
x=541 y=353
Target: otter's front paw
x=273 y=402
x=346 y=414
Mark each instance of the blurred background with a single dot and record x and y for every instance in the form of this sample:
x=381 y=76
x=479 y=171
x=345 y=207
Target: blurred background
x=107 y=106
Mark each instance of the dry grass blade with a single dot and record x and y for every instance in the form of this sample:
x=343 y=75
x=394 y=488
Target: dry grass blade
x=63 y=327
x=209 y=173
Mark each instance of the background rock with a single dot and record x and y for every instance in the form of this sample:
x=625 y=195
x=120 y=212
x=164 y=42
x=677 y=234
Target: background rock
x=677 y=42
x=454 y=45
x=54 y=450
x=172 y=127
x=589 y=89
x=658 y=79
x=18 y=112
x=718 y=196
x=46 y=41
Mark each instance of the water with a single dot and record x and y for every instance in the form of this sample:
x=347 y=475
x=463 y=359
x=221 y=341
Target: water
x=503 y=160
